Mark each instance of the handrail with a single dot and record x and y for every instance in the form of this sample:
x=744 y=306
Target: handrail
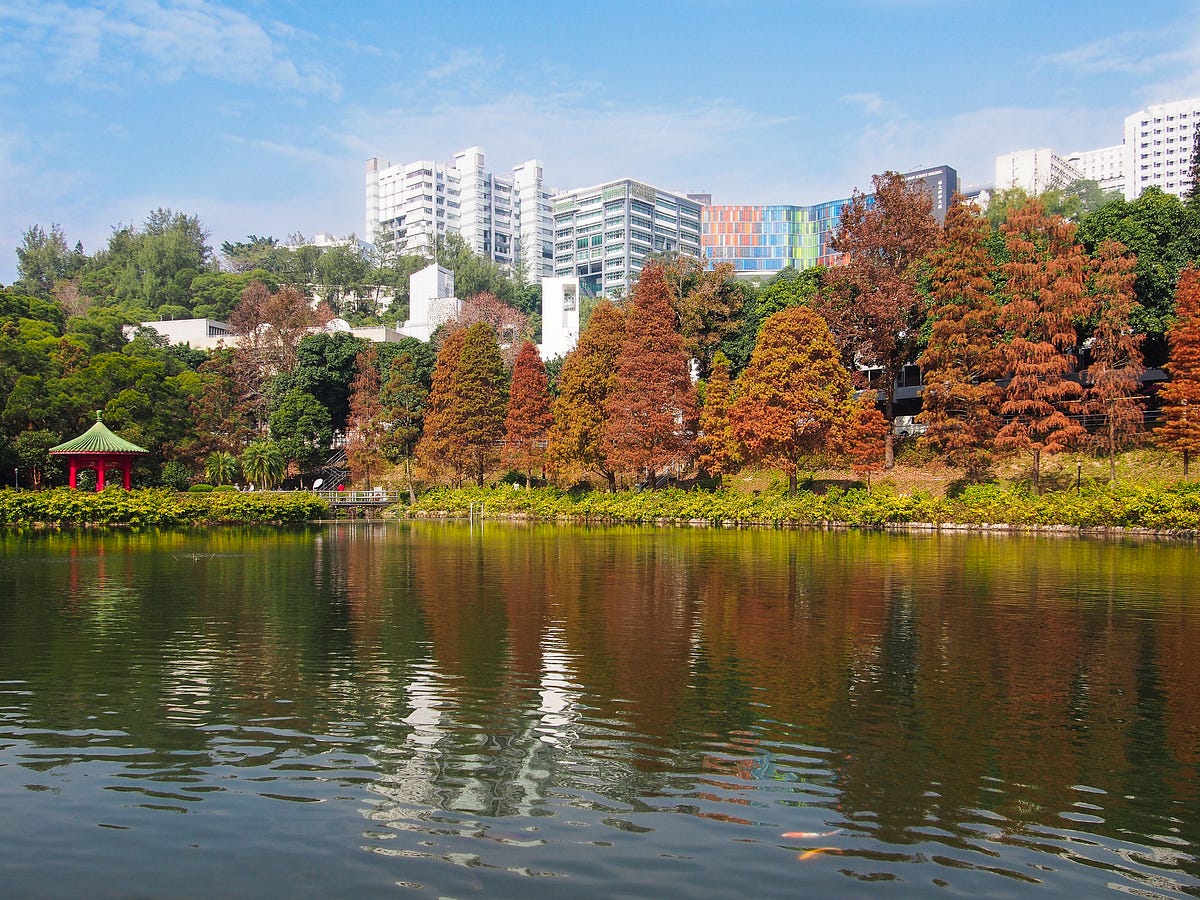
x=360 y=498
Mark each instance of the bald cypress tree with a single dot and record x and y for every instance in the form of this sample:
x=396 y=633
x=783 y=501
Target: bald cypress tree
x=652 y=407
x=1181 y=396
x=963 y=358
x=528 y=421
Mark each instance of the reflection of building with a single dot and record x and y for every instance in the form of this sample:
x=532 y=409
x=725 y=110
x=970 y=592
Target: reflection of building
x=602 y=233
x=560 y=316
x=762 y=240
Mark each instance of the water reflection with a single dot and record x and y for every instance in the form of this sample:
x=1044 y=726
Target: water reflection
x=617 y=707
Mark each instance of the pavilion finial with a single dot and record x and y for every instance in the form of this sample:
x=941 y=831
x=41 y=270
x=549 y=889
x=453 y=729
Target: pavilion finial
x=98 y=415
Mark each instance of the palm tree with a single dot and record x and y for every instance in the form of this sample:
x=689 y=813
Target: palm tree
x=221 y=467
x=263 y=464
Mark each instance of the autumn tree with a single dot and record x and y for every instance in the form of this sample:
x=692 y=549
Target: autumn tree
x=587 y=378
x=529 y=417
x=481 y=400
x=793 y=393
x=364 y=445
x=1180 y=430
x=269 y=327
x=1112 y=383
x=706 y=302
x=404 y=398
x=719 y=451
x=864 y=436
x=510 y=325
x=441 y=447
x=652 y=406
x=963 y=358
x=1044 y=280
x=874 y=304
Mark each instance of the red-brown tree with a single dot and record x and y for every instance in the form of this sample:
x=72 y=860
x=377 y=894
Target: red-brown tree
x=963 y=358
x=864 y=437
x=588 y=377
x=1045 y=286
x=652 y=407
x=529 y=417
x=874 y=306
x=719 y=451
x=1112 y=383
x=1181 y=396
x=364 y=445
x=481 y=397
x=510 y=325
x=440 y=449
x=794 y=393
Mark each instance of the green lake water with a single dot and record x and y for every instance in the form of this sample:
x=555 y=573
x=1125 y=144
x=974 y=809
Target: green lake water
x=366 y=709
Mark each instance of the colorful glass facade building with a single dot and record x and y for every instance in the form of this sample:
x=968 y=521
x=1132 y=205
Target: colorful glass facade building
x=764 y=240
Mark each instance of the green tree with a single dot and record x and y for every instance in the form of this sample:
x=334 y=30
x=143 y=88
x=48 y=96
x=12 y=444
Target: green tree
x=707 y=304
x=794 y=393
x=404 y=398
x=44 y=258
x=253 y=253
x=32 y=448
x=263 y=464
x=221 y=467
x=301 y=429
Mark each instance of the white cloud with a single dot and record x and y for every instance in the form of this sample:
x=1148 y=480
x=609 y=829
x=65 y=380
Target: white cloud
x=159 y=39
x=474 y=63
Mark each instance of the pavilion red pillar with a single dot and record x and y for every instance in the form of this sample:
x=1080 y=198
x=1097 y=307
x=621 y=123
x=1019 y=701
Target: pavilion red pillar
x=128 y=468
x=99 y=475
x=74 y=471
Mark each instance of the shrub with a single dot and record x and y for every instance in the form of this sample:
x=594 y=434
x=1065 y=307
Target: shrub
x=200 y=489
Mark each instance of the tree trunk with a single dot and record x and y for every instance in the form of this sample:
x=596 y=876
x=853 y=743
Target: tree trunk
x=889 y=411
x=412 y=496
x=792 y=481
x=1112 y=451
x=1186 y=459
x=612 y=481
x=1037 y=471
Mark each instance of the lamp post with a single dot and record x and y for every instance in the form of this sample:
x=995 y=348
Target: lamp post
x=16 y=482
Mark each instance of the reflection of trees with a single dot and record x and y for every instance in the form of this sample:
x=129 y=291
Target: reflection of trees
x=912 y=682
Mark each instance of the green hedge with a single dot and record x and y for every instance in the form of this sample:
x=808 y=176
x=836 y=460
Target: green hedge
x=1174 y=507
x=155 y=507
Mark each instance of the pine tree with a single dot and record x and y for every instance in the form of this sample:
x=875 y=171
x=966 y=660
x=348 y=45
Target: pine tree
x=864 y=437
x=1112 y=392
x=719 y=452
x=441 y=447
x=793 y=393
x=404 y=398
x=481 y=398
x=1044 y=281
x=528 y=422
x=874 y=304
x=1181 y=396
x=587 y=378
x=364 y=448
x=963 y=359
x=652 y=407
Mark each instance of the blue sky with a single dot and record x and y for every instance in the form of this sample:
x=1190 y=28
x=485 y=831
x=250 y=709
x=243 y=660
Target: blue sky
x=258 y=116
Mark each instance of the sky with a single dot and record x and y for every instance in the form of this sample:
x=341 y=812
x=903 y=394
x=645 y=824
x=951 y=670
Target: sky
x=258 y=116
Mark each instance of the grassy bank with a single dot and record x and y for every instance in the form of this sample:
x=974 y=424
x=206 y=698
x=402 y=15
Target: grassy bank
x=1166 y=507
x=149 y=508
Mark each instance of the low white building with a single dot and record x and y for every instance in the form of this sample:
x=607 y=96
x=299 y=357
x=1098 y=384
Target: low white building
x=199 y=334
x=431 y=301
x=560 y=316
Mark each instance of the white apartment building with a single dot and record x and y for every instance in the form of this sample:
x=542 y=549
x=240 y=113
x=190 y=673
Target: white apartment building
x=602 y=233
x=1159 y=141
x=419 y=201
x=560 y=316
x=1157 y=152
x=1034 y=171
x=535 y=243
x=1105 y=166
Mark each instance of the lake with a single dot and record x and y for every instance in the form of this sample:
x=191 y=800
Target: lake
x=368 y=708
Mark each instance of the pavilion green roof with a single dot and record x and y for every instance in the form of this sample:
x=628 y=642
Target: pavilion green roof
x=98 y=439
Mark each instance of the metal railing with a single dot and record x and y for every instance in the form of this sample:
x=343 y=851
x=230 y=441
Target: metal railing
x=359 y=498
